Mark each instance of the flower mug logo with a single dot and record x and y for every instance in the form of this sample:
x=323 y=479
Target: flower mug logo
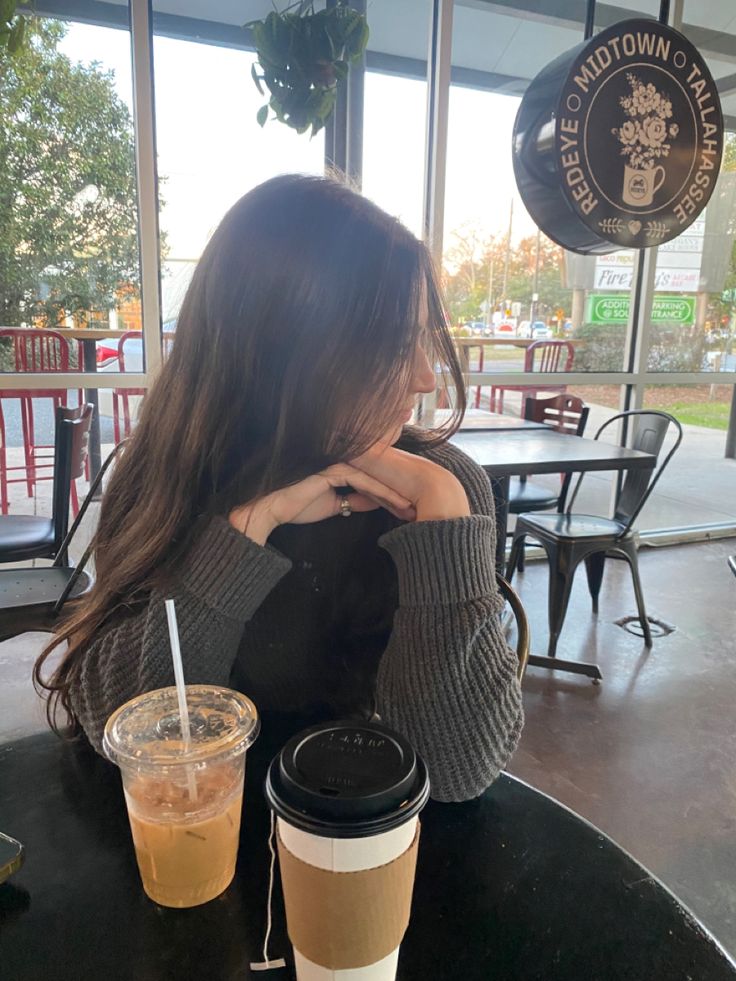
x=644 y=139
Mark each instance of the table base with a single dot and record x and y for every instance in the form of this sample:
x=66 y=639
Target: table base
x=573 y=667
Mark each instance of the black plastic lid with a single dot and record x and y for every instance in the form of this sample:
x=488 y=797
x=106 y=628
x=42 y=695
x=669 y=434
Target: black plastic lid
x=347 y=780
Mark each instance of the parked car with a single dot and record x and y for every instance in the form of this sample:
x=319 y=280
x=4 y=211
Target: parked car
x=479 y=328
x=505 y=328
x=536 y=330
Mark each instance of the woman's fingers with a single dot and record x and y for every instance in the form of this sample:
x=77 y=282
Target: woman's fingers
x=363 y=502
x=343 y=475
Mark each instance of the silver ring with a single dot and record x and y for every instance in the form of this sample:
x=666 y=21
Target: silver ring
x=345 y=509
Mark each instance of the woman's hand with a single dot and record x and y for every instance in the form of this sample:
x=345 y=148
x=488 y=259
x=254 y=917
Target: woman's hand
x=434 y=492
x=315 y=499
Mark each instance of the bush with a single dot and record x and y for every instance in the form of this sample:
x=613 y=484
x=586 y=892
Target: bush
x=672 y=347
x=603 y=347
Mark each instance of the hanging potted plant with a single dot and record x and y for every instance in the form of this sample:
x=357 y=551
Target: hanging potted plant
x=302 y=55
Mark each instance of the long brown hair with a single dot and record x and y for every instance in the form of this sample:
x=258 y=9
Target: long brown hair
x=294 y=347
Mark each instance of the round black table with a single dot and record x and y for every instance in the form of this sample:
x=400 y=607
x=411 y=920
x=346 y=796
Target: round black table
x=509 y=886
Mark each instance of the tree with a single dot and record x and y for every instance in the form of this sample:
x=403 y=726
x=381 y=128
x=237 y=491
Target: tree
x=471 y=262
x=68 y=215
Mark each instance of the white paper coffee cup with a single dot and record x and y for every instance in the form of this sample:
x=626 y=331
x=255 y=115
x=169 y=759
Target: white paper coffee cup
x=347 y=797
x=347 y=855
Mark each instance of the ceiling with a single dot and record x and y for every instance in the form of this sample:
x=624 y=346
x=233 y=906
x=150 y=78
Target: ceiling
x=497 y=44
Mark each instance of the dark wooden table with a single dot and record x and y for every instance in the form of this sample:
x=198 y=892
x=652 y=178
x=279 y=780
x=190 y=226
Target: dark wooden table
x=510 y=887
x=518 y=453
x=493 y=422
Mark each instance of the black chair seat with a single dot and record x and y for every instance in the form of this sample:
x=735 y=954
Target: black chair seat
x=35 y=588
x=572 y=526
x=23 y=537
x=527 y=496
x=28 y=597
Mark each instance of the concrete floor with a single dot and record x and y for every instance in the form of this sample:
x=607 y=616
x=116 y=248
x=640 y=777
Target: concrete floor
x=649 y=756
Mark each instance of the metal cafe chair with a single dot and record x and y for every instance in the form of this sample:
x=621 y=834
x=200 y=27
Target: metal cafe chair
x=732 y=563
x=34 y=599
x=28 y=536
x=564 y=414
x=570 y=538
x=123 y=395
x=522 y=623
x=542 y=356
x=45 y=351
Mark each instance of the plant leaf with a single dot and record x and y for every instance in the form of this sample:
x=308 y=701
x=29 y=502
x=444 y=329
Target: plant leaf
x=17 y=33
x=262 y=115
x=341 y=70
x=7 y=9
x=254 y=75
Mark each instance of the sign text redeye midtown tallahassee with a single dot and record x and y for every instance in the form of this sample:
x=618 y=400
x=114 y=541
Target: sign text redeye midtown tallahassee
x=639 y=134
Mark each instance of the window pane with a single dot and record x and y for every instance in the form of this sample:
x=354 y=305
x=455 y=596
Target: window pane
x=211 y=149
x=694 y=328
x=68 y=207
x=395 y=114
x=505 y=281
x=699 y=486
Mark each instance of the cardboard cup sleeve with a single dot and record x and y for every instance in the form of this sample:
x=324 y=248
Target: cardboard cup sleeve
x=344 y=920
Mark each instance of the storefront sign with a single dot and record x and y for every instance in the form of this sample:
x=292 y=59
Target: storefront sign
x=614 y=309
x=630 y=125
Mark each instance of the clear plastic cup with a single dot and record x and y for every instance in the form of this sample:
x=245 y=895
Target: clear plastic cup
x=186 y=842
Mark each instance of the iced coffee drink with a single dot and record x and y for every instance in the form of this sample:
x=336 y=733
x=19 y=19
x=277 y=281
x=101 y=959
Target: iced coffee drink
x=184 y=805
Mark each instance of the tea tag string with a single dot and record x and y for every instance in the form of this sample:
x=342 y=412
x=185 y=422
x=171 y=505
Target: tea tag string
x=269 y=965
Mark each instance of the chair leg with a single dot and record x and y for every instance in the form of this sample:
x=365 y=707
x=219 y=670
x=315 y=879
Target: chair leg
x=481 y=361
x=522 y=556
x=26 y=415
x=492 y=399
x=632 y=559
x=115 y=419
x=3 y=478
x=126 y=416
x=561 y=575
x=516 y=548
x=594 y=565
x=75 y=498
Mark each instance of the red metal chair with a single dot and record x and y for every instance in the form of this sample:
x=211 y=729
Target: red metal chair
x=542 y=356
x=44 y=351
x=123 y=394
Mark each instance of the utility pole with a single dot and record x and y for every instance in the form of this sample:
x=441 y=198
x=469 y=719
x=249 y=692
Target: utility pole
x=535 y=288
x=489 y=300
x=508 y=253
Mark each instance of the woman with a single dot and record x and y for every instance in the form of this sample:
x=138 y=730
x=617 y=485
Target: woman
x=312 y=322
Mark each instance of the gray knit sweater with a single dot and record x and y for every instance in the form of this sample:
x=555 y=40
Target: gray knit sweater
x=348 y=615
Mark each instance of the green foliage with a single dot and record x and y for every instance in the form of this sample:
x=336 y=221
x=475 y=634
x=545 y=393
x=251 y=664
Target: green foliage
x=710 y=415
x=470 y=262
x=68 y=214
x=12 y=28
x=672 y=347
x=303 y=54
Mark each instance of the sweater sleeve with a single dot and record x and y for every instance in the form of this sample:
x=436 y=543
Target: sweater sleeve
x=447 y=679
x=223 y=580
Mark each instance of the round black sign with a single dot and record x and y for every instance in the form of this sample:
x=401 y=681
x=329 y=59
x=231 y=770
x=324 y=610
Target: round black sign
x=619 y=142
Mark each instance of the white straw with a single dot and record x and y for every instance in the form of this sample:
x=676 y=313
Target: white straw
x=181 y=692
